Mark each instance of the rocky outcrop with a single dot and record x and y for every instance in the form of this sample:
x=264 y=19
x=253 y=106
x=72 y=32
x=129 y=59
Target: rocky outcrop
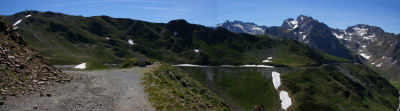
x=22 y=69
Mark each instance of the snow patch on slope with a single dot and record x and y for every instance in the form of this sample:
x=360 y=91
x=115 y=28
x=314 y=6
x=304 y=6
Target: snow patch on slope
x=130 y=41
x=238 y=25
x=283 y=95
x=80 y=66
x=267 y=60
x=196 y=50
x=360 y=31
x=304 y=37
x=369 y=37
x=379 y=65
x=276 y=79
x=293 y=24
x=16 y=23
x=365 y=55
x=286 y=100
x=339 y=36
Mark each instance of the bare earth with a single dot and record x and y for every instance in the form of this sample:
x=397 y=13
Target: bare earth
x=105 y=90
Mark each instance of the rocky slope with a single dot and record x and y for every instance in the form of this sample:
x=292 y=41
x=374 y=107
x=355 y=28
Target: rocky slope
x=22 y=69
x=379 y=48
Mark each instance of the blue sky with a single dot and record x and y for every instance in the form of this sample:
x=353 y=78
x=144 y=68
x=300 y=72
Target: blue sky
x=335 y=13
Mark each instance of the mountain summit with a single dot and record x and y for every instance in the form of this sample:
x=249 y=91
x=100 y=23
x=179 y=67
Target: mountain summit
x=376 y=46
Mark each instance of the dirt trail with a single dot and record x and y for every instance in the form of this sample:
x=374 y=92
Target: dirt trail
x=119 y=90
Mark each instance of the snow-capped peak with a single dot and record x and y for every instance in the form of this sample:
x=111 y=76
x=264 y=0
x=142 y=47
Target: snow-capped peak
x=360 y=31
x=292 y=23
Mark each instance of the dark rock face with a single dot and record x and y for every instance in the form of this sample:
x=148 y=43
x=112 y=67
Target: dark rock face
x=313 y=33
x=23 y=69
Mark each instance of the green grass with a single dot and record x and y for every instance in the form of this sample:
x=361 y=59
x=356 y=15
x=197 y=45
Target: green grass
x=395 y=84
x=243 y=88
x=327 y=88
x=292 y=55
x=171 y=89
x=94 y=65
x=333 y=58
x=249 y=89
x=130 y=63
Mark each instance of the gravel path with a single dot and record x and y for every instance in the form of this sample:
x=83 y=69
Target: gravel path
x=104 y=90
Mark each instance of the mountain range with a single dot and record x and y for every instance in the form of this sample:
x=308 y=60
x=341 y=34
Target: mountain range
x=317 y=69
x=361 y=43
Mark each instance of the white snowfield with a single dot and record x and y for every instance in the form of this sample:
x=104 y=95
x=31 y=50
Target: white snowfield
x=266 y=60
x=365 y=55
x=286 y=100
x=16 y=23
x=360 y=31
x=19 y=21
x=130 y=41
x=283 y=95
x=80 y=66
x=293 y=24
x=196 y=50
x=276 y=79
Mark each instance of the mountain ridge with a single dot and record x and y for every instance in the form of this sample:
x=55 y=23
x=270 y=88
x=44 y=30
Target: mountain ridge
x=363 y=35
x=106 y=39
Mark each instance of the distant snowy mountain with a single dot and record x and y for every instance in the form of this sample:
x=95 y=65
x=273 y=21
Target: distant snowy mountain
x=371 y=43
x=303 y=29
x=309 y=31
x=378 y=47
x=243 y=27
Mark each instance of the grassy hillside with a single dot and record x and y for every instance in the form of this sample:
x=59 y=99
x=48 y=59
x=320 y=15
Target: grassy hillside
x=334 y=87
x=338 y=88
x=67 y=39
x=171 y=89
x=241 y=88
